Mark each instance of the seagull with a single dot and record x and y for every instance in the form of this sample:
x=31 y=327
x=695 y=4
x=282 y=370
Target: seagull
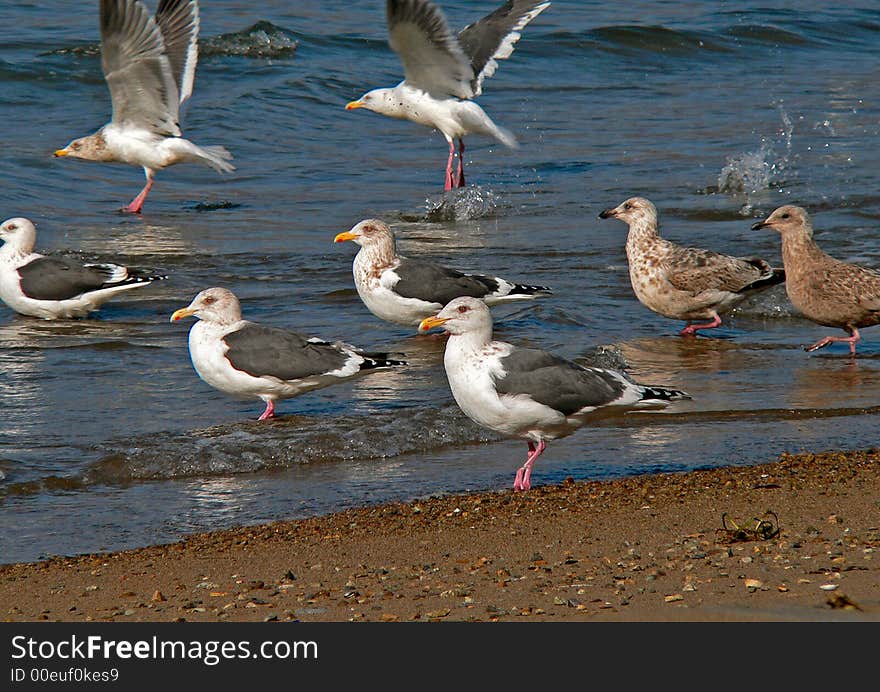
x=685 y=283
x=150 y=66
x=443 y=72
x=246 y=359
x=527 y=392
x=404 y=291
x=56 y=287
x=824 y=289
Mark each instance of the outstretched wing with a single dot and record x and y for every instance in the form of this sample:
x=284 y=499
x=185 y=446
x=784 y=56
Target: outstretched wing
x=178 y=21
x=493 y=37
x=432 y=58
x=137 y=70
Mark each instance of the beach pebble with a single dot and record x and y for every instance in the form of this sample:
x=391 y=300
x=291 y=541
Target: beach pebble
x=829 y=587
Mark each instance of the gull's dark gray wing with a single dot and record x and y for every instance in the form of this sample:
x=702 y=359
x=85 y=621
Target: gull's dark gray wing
x=138 y=72
x=555 y=382
x=57 y=278
x=431 y=55
x=493 y=37
x=437 y=284
x=286 y=355
x=178 y=21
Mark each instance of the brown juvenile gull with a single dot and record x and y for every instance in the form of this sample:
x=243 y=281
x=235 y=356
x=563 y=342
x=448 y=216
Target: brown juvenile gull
x=150 y=66
x=527 y=392
x=824 y=289
x=247 y=359
x=56 y=287
x=404 y=291
x=685 y=283
x=443 y=72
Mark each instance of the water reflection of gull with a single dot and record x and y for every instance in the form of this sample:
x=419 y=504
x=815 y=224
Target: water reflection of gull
x=826 y=383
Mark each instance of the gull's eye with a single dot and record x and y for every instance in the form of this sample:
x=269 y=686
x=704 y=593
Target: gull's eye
x=786 y=215
x=209 y=300
x=76 y=146
x=11 y=227
x=462 y=308
x=627 y=206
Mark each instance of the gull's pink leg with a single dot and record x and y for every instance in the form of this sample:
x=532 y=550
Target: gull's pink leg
x=449 y=184
x=691 y=329
x=524 y=473
x=460 y=162
x=269 y=412
x=138 y=202
x=853 y=337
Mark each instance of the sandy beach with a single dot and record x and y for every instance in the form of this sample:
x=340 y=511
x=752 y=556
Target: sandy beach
x=647 y=548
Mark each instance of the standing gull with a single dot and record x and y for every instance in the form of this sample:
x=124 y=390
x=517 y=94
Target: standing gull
x=246 y=359
x=824 y=289
x=404 y=291
x=685 y=283
x=56 y=287
x=150 y=66
x=527 y=392
x=443 y=72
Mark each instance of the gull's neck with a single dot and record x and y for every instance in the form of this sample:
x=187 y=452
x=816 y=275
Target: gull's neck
x=379 y=253
x=471 y=341
x=11 y=253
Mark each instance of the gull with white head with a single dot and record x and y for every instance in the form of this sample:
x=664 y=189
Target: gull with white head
x=247 y=359
x=56 y=287
x=526 y=392
x=444 y=71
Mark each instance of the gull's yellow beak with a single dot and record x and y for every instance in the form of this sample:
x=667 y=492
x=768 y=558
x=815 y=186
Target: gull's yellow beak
x=61 y=152
x=351 y=105
x=180 y=314
x=342 y=237
x=431 y=322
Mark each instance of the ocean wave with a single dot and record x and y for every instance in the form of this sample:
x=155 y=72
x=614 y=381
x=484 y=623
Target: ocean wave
x=261 y=40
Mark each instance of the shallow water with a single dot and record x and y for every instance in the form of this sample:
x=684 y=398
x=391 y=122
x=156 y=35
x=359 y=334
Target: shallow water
x=108 y=439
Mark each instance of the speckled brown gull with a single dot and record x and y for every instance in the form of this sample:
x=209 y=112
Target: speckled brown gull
x=246 y=359
x=685 y=283
x=444 y=71
x=824 y=289
x=405 y=290
x=526 y=392
x=149 y=64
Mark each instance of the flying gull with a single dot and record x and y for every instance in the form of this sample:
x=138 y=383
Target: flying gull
x=56 y=287
x=249 y=360
x=404 y=291
x=824 y=289
x=443 y=72
x=527 y=392
x=150 y=66
x=685 y=283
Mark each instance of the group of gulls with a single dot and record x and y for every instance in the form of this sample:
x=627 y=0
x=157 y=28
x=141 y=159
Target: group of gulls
x=149 y=63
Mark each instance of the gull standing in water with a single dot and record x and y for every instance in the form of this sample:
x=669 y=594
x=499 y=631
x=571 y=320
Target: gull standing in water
x=56 y=287
x=246 y=359
x=824 y=289
x=403 y=291
x=685 y=283
x=527 y=392
x=443 y=72
x=150 y=66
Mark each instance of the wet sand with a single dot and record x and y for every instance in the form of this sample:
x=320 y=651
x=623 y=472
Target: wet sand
x=638 y=549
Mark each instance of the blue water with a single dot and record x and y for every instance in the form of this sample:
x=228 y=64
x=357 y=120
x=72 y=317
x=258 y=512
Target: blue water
x=108 y=439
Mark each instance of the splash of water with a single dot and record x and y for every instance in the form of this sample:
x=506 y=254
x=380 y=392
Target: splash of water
x=262 y=40
x=753 y=172
x=461 y=204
